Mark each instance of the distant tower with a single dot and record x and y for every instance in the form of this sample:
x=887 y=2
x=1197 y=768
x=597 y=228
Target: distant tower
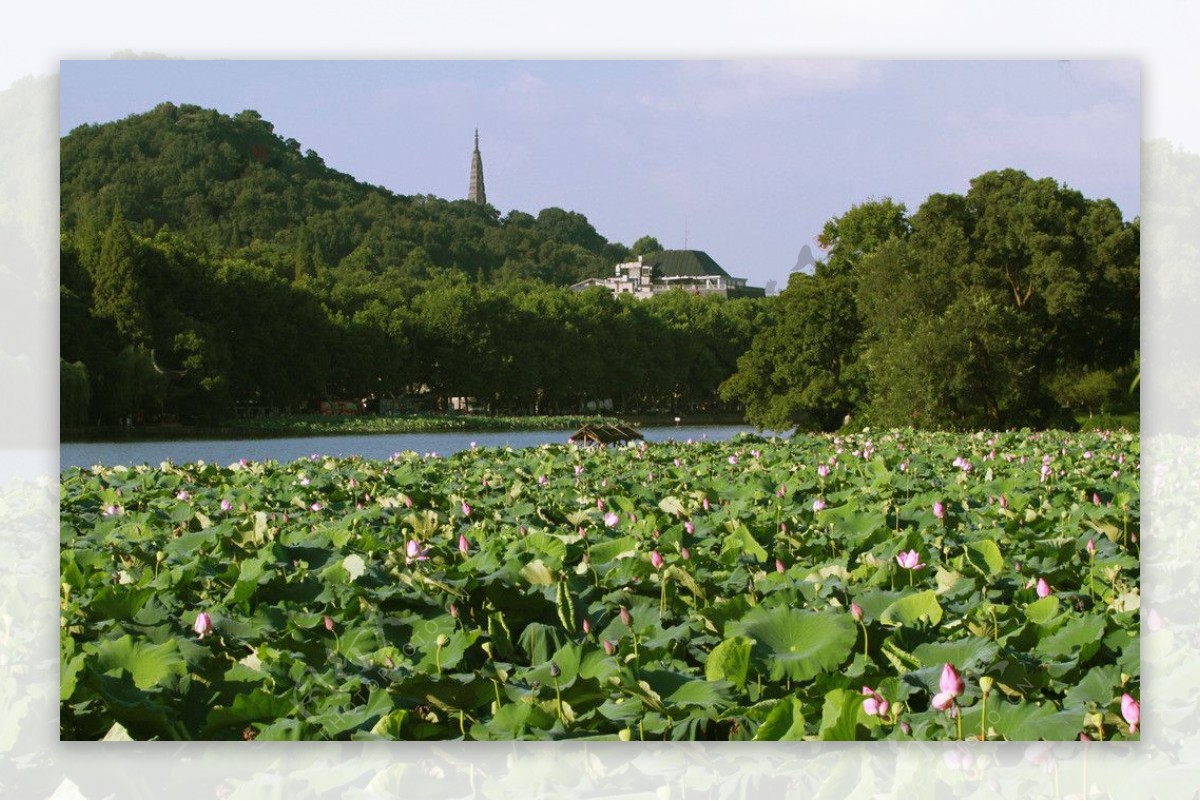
x=476 y=191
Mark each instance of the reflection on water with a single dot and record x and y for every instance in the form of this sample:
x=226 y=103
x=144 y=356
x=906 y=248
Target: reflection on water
x=371 y=446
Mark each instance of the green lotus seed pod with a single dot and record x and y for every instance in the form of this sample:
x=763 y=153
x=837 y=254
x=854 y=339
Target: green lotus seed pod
x=985 y=684
x=443 y=640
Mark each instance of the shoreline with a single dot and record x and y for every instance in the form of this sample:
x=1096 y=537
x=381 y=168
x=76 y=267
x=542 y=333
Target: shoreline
x=316 y=426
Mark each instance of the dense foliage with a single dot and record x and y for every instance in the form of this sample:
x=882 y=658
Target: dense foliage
x=207 y=264
x=814 y=588
x=1015 y=304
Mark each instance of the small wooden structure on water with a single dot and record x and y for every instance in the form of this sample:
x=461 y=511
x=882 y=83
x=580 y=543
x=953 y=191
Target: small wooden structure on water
x=596 y=434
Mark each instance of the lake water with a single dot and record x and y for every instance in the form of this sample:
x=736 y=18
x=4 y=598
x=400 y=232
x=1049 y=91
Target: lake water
x=371 y=446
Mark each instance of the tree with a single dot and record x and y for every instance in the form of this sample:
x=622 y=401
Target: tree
x=802 y=371
x=645 y=246
x=118 y=291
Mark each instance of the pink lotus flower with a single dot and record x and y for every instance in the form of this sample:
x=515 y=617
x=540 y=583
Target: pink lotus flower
x=1095 y=499
x=183 y=495
x=910 y=560
x=226 y=505
x=316 y=507
x=939 y=510
x=611 y=520
x=686 y=554
x=464 y=545
x=203 y=625
x=543 y=481
x=415 y=553
x=466 y=509
x=1043 y=589
x=818 y=505
x=779 y=568
x=113 y=510
x=874 y=703
x=733 y=460
x=656 y=560
x=822 y=470
x=856 y=612
x=689 y=527
x=705 y=504
x=781 y=492
x=1131 y=710
x=951 y=686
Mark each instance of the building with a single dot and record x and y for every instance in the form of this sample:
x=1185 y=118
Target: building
x=476 y=191
x=690 y=270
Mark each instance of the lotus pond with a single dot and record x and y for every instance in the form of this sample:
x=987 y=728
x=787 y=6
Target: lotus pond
x=883 y=585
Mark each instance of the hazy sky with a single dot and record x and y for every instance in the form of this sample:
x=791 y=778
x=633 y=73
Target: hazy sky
x=746 y=159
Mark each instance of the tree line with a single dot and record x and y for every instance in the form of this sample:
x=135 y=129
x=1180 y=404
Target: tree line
x=1016 y=304
x=153 y=330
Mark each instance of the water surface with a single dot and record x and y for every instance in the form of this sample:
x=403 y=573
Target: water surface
x=371 y=446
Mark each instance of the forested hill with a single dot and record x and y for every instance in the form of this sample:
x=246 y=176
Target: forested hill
x=232 y=186
x=209 y=268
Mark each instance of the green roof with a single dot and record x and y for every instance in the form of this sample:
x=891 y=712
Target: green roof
x=675 y=263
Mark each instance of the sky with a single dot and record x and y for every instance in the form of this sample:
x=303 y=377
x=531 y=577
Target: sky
x=745 y=159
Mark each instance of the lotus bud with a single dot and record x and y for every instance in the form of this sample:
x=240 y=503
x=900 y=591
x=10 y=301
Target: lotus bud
x=939 y=510
x=587 y=626
x=686 y=554
x=328 y=623
x=466 y=509
x=951 y=685
x=609 y=648
x=626 y=618
x=555 y=670
x=656 y=560
x=1131 y=710
x=464 y=545
x=1091 y=546
x=1043 y=589
x=779 y=568
x=203 y=625
x=856 y=612
x=689 y=527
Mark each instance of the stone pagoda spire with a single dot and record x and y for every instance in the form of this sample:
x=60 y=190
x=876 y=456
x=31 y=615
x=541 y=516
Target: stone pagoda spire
x=476 y=191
